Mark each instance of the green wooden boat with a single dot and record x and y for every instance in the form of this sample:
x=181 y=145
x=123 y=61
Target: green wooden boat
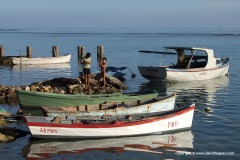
x=30 y=99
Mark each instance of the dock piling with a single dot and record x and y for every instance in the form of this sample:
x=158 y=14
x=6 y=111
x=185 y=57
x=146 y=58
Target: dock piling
x=1 y=51
x=99 y=53
x=81 y=50
x=29 y=52
x=54 y=51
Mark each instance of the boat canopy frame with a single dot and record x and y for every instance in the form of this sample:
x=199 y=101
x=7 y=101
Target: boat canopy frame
x=193 y=52
x=209 y=58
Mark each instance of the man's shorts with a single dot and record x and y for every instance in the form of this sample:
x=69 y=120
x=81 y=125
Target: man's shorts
x=86 y=71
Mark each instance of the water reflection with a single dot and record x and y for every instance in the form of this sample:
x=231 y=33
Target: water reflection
x=180 y=141
x=199 y=92
x=26 y=74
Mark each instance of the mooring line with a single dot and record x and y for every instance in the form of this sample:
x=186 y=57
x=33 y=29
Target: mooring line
x=213 y=115
x=209 y=113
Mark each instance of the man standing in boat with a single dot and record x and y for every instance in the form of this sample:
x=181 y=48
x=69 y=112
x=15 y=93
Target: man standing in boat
x=182 y=62
x=86 y=70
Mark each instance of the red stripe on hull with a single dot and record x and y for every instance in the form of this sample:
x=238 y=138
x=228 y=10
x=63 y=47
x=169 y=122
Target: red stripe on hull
x=117 y=124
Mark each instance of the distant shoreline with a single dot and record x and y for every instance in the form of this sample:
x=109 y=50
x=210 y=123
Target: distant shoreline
x=177 y=31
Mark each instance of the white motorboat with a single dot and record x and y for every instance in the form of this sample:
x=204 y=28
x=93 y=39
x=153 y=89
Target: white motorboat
x=193 y=64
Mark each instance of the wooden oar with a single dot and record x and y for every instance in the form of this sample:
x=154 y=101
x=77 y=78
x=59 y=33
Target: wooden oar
x=133 y=75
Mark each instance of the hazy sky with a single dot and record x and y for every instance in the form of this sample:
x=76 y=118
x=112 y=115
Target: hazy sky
x=120 y=13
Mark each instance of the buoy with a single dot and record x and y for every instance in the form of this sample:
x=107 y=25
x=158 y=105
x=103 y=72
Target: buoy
x=208 y=109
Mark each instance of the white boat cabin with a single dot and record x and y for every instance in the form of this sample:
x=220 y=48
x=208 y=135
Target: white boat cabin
x=190 y=57
x=192 y=64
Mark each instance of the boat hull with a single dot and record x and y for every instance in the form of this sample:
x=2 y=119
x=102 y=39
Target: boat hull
x=117 y=72
x=30 y=99
x=153 y=106
x=41 y=60
x=180 y=75
x=155 y=125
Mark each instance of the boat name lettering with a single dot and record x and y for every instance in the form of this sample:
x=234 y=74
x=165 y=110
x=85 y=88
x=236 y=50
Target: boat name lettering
x=152 y=70
x=45 y=130
x=172 y=124
x=172 y=139
x=48 y=149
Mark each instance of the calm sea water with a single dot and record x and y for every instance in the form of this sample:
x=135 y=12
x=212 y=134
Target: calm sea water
x=213 y=136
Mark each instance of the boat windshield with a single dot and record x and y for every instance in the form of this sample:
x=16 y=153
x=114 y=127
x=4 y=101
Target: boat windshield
x=189 y=58
x=199 y=59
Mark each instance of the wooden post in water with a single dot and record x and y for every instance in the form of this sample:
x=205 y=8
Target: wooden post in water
x=1 y=51
x=80 y=53
x=80 y=59
x=29 y=52
x=54 y=51
x=99 y=54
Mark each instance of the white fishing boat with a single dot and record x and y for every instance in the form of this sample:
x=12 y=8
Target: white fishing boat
x=56 y=67
x=51 y=127
x=192 y=64
x=41 y=60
